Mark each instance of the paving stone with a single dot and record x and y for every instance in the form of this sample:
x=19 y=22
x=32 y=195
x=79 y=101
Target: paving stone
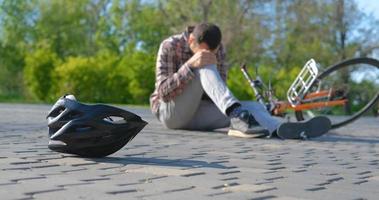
x=168 y=171
x=178 y=164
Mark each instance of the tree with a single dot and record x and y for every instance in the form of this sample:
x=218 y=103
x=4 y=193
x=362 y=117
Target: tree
x=14 y=31
x=276 y=36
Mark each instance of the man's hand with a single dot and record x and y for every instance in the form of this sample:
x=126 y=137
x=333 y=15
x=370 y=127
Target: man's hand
x=201 y=59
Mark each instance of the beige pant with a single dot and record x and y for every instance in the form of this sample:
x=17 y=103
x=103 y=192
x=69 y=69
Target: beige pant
x=189 y=111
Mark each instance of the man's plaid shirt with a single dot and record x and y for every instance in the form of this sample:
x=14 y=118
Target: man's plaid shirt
x=172 y=71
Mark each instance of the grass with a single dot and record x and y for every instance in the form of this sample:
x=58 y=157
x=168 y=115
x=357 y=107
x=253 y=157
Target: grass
x=17 y=99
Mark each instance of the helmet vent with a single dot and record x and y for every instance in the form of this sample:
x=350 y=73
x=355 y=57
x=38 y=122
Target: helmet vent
x=115 y=120
x=57 y=111
x=71 y=115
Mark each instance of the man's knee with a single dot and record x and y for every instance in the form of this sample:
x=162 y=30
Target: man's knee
x=172 y=123
x=172 y=118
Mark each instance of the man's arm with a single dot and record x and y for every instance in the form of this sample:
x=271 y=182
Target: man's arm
x=169 y=81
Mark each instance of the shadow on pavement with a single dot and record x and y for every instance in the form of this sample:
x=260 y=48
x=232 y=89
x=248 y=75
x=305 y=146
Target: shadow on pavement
x=330 y=137
x=186 y=163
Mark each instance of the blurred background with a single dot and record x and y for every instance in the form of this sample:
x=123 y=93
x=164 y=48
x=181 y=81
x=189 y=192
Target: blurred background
x=105 y=50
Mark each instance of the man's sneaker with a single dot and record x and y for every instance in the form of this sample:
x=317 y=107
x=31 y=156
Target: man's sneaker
x=243 y=125
x=314 y=127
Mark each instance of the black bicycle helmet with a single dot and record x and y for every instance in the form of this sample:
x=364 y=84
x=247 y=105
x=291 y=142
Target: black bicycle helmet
x=90 y=130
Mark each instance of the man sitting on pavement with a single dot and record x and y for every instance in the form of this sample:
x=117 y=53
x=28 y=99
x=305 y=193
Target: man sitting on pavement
x=191 y=93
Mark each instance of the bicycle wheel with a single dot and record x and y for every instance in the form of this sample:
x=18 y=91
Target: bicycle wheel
x=355 y=81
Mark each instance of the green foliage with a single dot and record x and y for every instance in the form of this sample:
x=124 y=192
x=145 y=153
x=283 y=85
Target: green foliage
x=104 y=50
x=11 y=83
x=139 y=68
x=39 y=66
x=281 y=79
x=69 y=26
x=146 y=26
x=361 y=93
x=107 y=78
x=84 y=77
x=239 y=85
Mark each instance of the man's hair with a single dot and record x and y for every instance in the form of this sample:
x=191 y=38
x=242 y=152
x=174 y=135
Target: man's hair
x=208 y=33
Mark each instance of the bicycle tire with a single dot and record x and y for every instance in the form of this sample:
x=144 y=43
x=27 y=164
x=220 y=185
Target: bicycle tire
x=345 y=64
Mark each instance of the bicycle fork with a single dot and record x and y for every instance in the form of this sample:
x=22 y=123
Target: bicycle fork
x=253 y=85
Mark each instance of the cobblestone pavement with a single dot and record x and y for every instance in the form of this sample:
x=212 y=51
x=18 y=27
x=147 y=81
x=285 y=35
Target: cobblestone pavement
x=172 y=164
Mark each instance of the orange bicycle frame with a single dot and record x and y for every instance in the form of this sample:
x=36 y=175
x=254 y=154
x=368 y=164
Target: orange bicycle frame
x=281 y=107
